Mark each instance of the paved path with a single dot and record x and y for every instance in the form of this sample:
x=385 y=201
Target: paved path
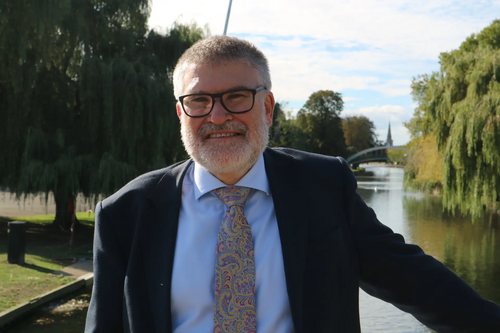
x=77 y=269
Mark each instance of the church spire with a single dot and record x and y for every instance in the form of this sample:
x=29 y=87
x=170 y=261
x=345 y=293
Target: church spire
x=388 y=141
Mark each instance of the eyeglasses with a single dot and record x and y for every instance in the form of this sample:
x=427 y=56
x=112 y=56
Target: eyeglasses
x=234 y=101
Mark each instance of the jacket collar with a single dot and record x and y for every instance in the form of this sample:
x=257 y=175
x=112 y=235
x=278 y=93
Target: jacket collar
x=158 y=234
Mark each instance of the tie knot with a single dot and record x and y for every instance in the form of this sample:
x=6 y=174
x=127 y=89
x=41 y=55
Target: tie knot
x=232 y=195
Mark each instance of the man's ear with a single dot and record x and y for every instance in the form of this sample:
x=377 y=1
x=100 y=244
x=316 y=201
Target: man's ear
x=179 y=111
x=269 y=104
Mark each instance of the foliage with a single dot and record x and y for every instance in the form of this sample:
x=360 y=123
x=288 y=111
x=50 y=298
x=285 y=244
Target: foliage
x=87 y=102
x=396 y=155
x=424 y=168
x=359 y=132
x=285 y=132
x=319 y=119
x=460 y=106
x=419 y=124
x=275 y=130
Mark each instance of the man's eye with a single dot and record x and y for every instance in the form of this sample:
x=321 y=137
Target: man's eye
x=236 y=95
x=200 y=99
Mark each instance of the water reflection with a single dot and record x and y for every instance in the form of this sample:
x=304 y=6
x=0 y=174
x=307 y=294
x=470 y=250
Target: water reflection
x=382 y=190
x=469 y=249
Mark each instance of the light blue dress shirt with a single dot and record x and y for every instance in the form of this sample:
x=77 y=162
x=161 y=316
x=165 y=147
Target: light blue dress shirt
x=193 y=276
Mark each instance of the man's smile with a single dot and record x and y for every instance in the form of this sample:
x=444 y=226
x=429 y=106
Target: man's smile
x=222 y=135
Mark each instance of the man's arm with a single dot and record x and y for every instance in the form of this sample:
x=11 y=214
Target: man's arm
x=105 y=311
x=405 y=276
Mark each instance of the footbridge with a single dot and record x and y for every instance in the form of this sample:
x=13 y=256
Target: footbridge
x=354 y=158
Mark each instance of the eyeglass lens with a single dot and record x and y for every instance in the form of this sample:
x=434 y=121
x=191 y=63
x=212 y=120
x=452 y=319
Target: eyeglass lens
x=234 y=101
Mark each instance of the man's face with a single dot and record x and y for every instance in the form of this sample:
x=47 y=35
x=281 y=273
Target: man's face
x=224 y=143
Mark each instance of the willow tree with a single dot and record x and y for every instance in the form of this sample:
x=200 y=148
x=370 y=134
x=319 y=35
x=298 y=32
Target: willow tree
x=320 y=120
x=460 y=106
x=87 y=97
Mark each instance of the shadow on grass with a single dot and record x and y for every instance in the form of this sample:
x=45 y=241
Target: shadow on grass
x=37 y=268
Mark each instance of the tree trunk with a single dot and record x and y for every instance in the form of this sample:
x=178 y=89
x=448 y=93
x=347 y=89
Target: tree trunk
x=65 y=210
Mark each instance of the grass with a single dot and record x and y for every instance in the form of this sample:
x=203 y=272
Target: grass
x=47 y=251
x=20 y=283
x=84 y=218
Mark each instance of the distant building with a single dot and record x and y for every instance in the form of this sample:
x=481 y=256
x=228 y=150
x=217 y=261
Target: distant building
x=388 y=141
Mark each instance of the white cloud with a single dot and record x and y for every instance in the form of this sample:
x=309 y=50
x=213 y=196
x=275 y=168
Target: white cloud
x=392 y=112
x=404 y=28
x=394 y=87
x=320 y=44
x=375 y=45
x=291 y=113
x=400 y=135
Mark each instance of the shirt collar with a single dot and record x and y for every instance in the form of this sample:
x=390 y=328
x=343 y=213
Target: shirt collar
x=256 y=178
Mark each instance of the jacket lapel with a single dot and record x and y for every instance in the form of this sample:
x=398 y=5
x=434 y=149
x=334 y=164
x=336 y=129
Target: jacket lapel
x=291 y=214
x=158 y=237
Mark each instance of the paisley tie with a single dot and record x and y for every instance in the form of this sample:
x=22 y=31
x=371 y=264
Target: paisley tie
x=234 y=306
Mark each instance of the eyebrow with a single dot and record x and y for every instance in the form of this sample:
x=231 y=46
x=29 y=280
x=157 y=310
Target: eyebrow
x=230 y=89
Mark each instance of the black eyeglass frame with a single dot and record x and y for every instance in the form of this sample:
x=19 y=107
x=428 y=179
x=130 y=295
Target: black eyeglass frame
x=219 y=95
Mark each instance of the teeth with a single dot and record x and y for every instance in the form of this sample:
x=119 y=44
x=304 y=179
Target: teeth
x=221 y=135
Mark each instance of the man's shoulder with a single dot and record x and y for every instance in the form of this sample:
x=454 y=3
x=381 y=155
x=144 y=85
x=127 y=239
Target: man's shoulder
x=145 y=184
x=308 y=170
x=309 y=167
x=306 y=159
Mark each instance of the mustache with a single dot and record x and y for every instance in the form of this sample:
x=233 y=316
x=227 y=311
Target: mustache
x=227 y=126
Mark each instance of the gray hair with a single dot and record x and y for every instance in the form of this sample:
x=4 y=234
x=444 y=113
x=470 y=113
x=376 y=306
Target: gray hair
x=219 y=50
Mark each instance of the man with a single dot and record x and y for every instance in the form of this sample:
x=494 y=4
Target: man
x=173 y=253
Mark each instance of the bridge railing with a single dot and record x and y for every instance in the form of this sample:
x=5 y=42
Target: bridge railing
x=353 y=157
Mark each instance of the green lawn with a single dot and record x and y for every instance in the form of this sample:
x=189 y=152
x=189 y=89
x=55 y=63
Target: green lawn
x=84 y=218
x=20 y=283
x=47 y=250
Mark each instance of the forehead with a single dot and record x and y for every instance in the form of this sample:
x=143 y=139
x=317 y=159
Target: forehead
x=219 y=78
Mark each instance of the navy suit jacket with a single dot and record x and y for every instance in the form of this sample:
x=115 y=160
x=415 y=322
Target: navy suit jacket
x=332 y=244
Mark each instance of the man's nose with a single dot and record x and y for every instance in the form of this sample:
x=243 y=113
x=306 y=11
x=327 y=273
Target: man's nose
x=219 y=114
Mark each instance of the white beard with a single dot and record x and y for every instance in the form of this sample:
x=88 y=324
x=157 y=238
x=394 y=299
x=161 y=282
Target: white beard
x=224 y=158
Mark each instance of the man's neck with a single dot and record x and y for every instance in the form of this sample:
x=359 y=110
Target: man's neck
x=230 y=178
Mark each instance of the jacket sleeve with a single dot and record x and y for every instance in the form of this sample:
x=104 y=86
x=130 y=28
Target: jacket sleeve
x=105 y=310
x=402 y=274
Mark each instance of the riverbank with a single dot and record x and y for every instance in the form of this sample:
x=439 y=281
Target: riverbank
x=362 y=171
x=13 y=315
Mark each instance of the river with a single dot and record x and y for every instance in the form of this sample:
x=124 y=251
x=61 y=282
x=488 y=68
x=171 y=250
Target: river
x=467 y=248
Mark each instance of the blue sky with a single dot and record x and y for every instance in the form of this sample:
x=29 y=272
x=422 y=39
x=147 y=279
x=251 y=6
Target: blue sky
x=368 y=50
